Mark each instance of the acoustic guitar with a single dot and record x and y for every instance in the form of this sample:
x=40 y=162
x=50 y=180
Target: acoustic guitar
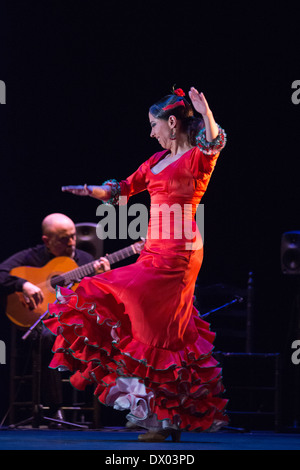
x=60 y=271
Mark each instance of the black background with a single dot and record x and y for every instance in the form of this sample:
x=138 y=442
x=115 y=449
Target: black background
x=80 y=77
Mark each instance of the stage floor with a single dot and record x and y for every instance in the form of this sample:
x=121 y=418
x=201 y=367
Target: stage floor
x=121 y=439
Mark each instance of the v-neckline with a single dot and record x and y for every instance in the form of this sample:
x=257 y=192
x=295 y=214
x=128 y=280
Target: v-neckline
x=162 y=157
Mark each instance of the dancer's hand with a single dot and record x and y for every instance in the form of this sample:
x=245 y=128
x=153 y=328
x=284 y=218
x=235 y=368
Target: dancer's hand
x=201 y=105
x=78 y=190
x=199 y=102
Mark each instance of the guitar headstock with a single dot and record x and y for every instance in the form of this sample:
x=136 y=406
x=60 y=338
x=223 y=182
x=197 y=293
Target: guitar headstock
x=138 y=246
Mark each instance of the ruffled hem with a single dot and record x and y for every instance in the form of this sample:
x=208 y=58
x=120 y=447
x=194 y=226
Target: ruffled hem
x=160 y=388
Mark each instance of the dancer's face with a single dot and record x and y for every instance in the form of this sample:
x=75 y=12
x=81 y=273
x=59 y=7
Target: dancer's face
x=160 y=130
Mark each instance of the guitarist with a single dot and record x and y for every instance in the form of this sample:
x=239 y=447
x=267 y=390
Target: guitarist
x=59 y=239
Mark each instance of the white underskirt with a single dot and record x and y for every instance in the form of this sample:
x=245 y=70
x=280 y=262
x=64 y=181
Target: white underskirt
x=130 y=394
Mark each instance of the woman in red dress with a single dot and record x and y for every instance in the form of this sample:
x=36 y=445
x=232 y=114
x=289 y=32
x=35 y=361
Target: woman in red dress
x=134 y=331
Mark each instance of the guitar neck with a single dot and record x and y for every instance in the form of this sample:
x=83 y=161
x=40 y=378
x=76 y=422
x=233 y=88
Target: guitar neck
x=88 y=269
x=121 y=254
x=73 y=276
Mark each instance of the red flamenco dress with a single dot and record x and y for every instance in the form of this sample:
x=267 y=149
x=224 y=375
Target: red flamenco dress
x=134 y=331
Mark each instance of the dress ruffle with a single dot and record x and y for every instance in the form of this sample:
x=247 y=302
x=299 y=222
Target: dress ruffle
x=160 y=387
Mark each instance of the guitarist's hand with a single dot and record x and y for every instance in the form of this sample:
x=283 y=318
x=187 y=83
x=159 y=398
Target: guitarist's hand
x=32 y=294
x=101 y=265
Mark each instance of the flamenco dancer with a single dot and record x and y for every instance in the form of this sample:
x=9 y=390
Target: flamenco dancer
x=134 y=331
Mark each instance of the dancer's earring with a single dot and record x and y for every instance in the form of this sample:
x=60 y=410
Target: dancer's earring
x=173 y=134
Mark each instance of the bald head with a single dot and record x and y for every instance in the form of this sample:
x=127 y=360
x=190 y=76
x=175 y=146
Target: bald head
x=59 y=234
x=56 y=221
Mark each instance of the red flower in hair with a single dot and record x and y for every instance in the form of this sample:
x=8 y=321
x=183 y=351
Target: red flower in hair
x=179 y=92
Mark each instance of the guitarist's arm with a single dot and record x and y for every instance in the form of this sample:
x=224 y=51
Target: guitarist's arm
x=10 y=284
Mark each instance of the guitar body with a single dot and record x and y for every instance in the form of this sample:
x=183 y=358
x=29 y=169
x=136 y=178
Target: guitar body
x=17 y=309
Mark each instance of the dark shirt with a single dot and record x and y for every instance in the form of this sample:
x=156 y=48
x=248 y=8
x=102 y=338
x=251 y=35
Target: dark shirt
x=38 y=257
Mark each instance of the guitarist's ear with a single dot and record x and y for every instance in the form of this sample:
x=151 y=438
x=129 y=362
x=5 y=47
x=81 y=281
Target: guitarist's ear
x=45 y=239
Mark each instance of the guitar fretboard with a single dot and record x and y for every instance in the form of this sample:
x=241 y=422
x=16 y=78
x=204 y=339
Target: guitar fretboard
x=79 y=273
x=121 y=254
